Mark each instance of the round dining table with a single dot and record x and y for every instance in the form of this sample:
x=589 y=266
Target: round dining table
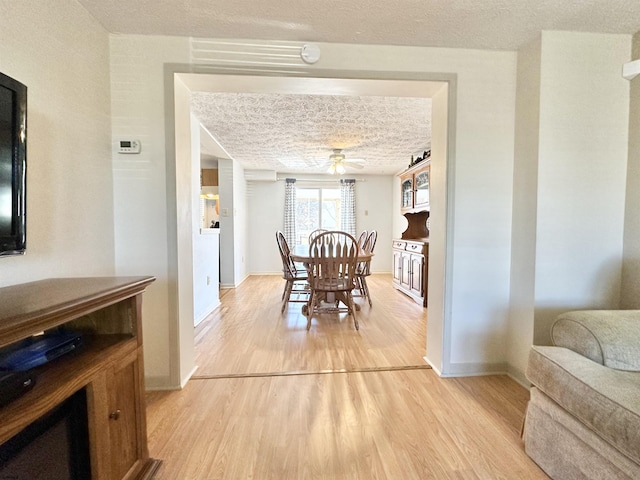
x=300 y=253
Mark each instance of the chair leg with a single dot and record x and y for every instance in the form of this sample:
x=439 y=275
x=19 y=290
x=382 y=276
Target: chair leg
x=310 y=308
x=365 y=289
x=286 y=294
x=352 y=310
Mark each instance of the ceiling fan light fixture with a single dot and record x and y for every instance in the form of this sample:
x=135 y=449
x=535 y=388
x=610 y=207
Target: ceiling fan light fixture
x=337 y=155
x=339 y=163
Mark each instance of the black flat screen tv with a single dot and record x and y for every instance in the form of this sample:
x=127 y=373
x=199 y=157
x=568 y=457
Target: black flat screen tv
x=13 y=166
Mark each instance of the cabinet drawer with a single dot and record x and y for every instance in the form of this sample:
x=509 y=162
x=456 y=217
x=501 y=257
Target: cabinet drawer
x=414 y=247
x=399 y=245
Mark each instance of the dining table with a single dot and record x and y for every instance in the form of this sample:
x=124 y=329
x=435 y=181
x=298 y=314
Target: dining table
x=301 y=253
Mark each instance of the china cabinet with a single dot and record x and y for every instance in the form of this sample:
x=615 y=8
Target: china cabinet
x=411 y=252
x=414 y=187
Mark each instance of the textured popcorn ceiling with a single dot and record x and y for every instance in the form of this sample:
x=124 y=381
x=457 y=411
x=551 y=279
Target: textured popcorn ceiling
x=485 y=24
x=297 y=133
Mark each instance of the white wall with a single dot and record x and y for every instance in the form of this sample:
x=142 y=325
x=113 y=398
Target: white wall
x=240 y=213
x=569 y=183
x=525 y=201
x=584 y=104
x=375 y=211
x=144 y=189
x=631 y=267
x=227 y=223
x=206 y=273
x=438 y=284
x=265 y=207
x=62 y=55
x=184 y=178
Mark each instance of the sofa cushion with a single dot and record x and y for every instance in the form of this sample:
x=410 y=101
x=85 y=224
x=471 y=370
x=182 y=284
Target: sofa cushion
x=609 y=337
x=605 y=400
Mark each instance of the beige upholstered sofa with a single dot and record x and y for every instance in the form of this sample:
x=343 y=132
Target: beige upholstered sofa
x=583 y=419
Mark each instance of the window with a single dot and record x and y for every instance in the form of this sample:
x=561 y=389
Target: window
x=316 y=208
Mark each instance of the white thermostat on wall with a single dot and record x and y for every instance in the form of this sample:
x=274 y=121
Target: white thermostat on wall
x=128 y=146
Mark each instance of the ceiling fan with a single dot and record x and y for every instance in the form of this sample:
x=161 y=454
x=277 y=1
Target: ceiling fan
x=338 y=162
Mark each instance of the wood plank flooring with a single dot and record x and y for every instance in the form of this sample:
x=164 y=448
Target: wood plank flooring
x=248 y=334
x=263 y=407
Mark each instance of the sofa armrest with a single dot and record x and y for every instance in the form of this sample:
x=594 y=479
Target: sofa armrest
x=608 y=337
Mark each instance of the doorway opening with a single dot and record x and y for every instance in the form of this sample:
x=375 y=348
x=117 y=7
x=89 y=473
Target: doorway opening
x=440 y=91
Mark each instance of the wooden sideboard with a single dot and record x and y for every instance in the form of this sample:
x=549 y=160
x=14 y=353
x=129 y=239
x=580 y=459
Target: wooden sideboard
x=108 y=366
x=410 y=267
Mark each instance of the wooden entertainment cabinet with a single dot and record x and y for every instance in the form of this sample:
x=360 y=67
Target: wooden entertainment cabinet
x=108 y=366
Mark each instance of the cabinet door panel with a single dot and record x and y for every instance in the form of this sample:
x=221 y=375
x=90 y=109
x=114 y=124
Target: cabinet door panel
x=417 y=266
x=397 y=266
x=406 y=191
x=123 y=420
x=405 y=277
x=422 y=189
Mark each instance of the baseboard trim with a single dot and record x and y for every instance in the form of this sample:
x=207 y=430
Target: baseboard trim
x=472 y=369
x=209 y=310
x=188 y=377
x=433 y=367
x=483 y=369
x=224 y=286
x=153 y=384
x=518 y=376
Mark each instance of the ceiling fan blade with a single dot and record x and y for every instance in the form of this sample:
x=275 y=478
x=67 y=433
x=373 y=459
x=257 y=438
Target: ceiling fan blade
x=353 y=165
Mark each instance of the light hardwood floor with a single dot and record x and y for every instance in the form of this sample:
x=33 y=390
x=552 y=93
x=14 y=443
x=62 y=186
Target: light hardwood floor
x=273 y=401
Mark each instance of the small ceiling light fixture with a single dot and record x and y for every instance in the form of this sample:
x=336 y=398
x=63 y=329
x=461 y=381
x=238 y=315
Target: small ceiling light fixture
x=337 y=165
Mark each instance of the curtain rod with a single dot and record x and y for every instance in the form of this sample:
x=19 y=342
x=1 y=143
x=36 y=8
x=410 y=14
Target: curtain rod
x=328 y=180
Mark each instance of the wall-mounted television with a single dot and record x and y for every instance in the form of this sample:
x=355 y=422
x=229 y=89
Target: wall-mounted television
x=13 y=166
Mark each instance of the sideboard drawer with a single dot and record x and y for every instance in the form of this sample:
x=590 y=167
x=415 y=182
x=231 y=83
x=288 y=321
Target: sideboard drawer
x=399 y=245
x=415 y=247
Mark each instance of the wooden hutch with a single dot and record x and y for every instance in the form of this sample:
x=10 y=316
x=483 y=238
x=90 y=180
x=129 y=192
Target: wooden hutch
x=107 y=368
x=411 y=251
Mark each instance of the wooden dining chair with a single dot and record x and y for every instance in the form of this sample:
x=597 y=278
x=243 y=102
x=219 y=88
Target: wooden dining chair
x=363 y=270
x=296 y=279
x=315 y=233
x=332 y=270
x=362 y=238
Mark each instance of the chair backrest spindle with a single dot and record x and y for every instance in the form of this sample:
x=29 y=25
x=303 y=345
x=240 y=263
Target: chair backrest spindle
x=334 y=258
